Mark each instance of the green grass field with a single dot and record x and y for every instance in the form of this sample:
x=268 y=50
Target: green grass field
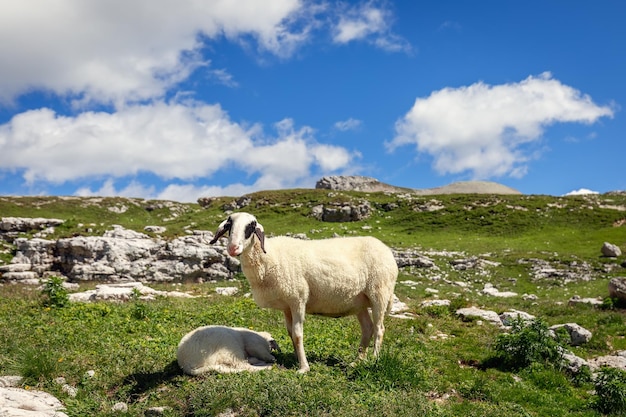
x=433 y=365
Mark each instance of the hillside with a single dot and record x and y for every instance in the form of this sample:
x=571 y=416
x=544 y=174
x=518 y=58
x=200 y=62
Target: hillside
x=540 y=255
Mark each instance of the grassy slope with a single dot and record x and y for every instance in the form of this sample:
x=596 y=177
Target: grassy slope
x=132 y=347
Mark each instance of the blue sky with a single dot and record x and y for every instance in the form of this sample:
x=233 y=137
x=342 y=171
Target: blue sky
x=177 y=99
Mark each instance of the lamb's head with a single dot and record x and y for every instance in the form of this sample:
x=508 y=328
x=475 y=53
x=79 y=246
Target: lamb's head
x=242 y=228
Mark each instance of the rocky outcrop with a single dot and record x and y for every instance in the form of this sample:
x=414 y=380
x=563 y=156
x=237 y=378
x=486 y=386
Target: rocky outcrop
x=342 y=212
x=120 y=255
x=369 y=184
x=355 y=183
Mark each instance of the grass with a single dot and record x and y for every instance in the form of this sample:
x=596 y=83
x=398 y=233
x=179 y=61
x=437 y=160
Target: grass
x=131 y=347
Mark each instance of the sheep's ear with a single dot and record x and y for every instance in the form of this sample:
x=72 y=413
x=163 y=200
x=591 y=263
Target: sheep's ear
x=261 y=235
x=221 y=230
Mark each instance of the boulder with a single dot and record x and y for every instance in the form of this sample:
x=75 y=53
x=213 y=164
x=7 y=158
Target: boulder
x=17 y=402
x=578 y=334
x=617 y=288
x=27 y=224
x=610 y=250
x=342 y=212
x=508 y=317
x=477 y=313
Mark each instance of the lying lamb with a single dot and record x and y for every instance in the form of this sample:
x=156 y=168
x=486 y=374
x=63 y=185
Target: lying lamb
x=225 y=349
x=331 y=277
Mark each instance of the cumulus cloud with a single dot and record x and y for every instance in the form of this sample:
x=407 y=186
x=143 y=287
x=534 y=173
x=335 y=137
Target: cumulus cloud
x=582 y=191
x=174 y=141
x=117 y=51
x=486 y=130
x=370 y=21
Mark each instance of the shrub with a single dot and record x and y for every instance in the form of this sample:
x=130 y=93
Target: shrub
x=55 y=295
x=611 y=391
x=528 y=343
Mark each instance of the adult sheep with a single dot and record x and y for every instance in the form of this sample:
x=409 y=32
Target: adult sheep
x=331 y=277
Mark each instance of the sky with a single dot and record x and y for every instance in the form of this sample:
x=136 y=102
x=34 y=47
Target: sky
x=181 y=99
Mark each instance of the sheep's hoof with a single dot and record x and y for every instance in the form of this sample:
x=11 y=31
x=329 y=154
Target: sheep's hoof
x=303 y=370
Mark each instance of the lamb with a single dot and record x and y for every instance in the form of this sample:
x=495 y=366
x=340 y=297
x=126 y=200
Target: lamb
x=225 y=349
x=331 y=277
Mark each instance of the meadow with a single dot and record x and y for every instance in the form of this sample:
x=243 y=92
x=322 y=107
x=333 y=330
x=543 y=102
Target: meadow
x=435 y=364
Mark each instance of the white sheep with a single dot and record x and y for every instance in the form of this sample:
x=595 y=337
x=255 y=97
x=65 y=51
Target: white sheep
x=331 y=277
x=225 y=349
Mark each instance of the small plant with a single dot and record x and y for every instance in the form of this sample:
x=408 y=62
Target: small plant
x=55 y=295
x=528 y=343
x=140 y=310
x=611 y=391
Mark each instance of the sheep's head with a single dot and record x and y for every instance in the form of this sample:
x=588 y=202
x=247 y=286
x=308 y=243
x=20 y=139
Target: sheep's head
x=242 y=227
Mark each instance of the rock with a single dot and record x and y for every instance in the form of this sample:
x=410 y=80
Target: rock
x=120 y=407
x=617 y=288
x=493 y=291
x=122 y=292
x=26 y=224
x=368 y=184
x=578 y=334
x=508 y=317
x=610 y=250
x=155 y=229
x=10 y=381
x=14 y=268
x=412 y=258
x=578 y=300
x=122 y=255
x=573 y=363
x=354 y=183
x=226 y=290
x=26 y=276
x=400 y=310
x=156 y=411
x=475 y=312
x=341 y=213
x=435 y=303
x=17 y=402
x=614 y=361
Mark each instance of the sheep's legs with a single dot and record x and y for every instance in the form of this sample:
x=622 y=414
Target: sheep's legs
x=294 y=321
x=367 y=328
x=378 y=314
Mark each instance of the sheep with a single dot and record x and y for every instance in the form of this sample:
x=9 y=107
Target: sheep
x=331 y=277
x=225 y=349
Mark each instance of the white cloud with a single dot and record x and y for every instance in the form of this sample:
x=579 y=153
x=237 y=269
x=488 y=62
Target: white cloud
x=370 y=21
x=117 y=51
x=485 y=129
x=182 y=141
x=582 y=191
x=348 y=124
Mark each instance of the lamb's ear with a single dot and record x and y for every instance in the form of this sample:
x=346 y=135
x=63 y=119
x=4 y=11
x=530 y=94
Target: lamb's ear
x=261 y=235
x=223 y=228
